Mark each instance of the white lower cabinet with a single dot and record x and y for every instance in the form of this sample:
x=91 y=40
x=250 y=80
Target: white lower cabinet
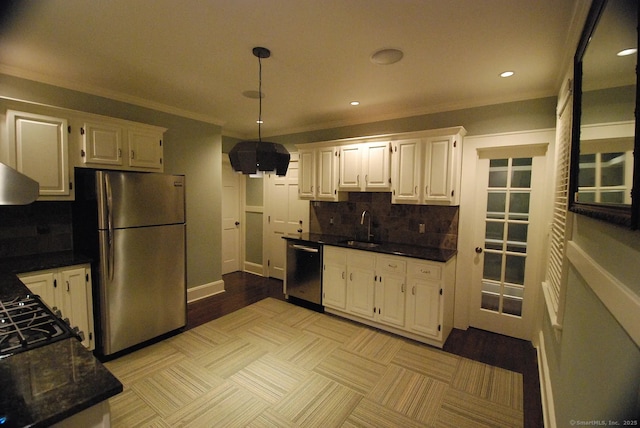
x=423 y=305
x=361 y=273
x=390 y=290
x=69 y=290
x=334 y=278
x=402 y=295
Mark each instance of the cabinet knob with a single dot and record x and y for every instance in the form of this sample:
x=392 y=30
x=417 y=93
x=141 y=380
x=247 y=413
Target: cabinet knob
x=237 y=223
x=478 y=250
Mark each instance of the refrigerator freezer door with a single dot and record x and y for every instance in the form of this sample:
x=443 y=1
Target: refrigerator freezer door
x=134 y=199
x=143 y=295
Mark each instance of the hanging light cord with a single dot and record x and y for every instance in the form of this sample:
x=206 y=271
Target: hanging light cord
x=259 y=98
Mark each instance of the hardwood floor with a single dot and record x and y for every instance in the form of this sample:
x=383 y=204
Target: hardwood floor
x=243 y=289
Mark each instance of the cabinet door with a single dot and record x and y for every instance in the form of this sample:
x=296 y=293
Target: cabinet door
x=361 y=283
x=377 y=166
x=41 y=284
x=73 y=298
x=327 y=174
x=306 y=174
x=438 y=170
x=390 y=299
x=423 y=307
x=334 y=277
x=102 y=144
x=41 y=150
x=145 y=149
x=406 y=168
x=350 y=167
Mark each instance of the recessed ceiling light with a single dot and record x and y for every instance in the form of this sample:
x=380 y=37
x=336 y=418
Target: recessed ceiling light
x=626 y=52
x=507 y=74
x=386 y=56
x=355 y=103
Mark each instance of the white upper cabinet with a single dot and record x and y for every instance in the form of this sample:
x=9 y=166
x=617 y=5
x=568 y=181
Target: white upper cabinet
x=440 y=171
x=427 y=170
x=365 y=167
x=101 y=143
x=406 y=170
x=145 y=148
x=38 y=148
x=327 y=174
x=351 y=167
x=376 y=161
x=306 y=175
x=113 y=143
x=420 y=167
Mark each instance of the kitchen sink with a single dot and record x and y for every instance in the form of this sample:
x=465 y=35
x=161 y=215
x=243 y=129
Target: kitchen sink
x=360 y=244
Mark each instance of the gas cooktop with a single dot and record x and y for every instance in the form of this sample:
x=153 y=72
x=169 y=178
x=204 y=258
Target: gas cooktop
x=27 y=323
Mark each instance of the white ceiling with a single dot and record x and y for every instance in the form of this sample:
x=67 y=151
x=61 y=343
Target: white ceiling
x=194 y=57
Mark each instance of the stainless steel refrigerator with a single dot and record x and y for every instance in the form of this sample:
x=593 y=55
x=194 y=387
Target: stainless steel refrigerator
x=133 y=224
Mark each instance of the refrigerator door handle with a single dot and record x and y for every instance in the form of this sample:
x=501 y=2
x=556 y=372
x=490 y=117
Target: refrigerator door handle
x=110 y=246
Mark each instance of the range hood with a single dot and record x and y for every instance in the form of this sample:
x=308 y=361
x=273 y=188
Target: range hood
x=16 y=188
x=249 y=157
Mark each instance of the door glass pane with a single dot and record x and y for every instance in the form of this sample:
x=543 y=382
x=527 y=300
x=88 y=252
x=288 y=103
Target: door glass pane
x=496 y=203
x=494 y=235
x=492 y=266
x=514 y=269
x=521 y=173
x=517 y=237
x=519 y=205
x=506 y=234
x=498 y=169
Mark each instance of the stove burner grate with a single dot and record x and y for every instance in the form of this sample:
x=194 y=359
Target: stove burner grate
x=26 y=323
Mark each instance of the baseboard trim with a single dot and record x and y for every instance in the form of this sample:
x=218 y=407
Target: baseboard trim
x=253 y=268
x=546 y=393
x=205 y=290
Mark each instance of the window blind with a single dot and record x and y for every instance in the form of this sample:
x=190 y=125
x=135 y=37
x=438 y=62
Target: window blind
x=555 y=277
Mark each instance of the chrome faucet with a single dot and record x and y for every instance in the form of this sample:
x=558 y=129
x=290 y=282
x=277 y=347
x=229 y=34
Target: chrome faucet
x=364 y=213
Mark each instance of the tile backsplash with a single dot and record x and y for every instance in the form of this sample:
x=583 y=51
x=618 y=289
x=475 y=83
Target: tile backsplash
x=41 y=227
x=389 y=222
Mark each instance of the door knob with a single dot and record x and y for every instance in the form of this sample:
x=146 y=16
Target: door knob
x=237 y=223
x=478 y=250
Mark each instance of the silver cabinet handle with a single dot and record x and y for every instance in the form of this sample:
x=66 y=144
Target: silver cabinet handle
x=304 y=248
x=111 y=249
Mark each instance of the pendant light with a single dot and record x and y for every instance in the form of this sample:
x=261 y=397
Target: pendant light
x=255 y=157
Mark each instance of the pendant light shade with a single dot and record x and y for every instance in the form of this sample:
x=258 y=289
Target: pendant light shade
x=253 y=157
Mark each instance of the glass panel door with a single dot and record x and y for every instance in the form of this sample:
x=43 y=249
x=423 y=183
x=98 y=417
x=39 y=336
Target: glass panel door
x=506 y=233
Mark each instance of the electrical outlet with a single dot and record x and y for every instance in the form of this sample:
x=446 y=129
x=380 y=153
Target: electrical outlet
x=421 y=228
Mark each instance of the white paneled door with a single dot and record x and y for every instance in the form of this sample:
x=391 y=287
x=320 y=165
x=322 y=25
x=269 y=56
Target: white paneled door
x=286 y=215
x=231 y=225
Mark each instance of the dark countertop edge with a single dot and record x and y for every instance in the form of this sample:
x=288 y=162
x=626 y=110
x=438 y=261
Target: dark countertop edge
x=42 y=261
x=81 y=406
x=405 y=250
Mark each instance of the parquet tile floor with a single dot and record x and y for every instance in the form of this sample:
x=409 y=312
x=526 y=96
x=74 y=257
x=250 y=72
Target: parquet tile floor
x=272 y=363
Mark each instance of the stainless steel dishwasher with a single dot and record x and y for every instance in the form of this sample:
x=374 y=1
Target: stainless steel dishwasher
x=304 y=272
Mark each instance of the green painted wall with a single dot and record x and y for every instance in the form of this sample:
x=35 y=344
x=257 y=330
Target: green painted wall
x=191 y=147
x=492 y=119
x=594 y=365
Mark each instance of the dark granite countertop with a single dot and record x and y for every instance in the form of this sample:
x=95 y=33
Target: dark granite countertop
x=414 y=251
x=45 y=385
x=42 y=261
